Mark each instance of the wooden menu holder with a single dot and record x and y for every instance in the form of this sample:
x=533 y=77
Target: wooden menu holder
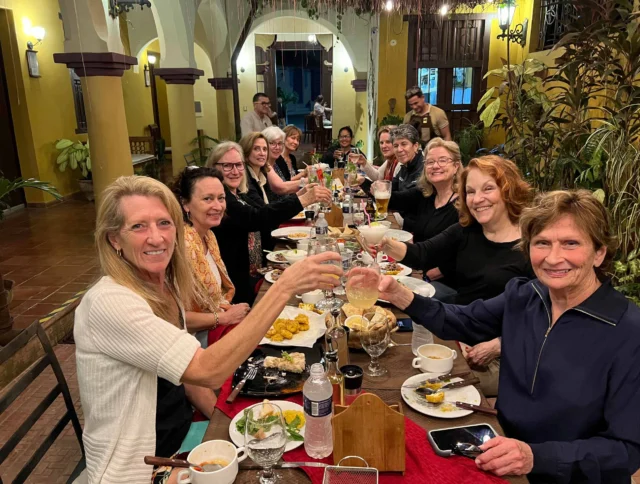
x=372 y=430
x=334 y=218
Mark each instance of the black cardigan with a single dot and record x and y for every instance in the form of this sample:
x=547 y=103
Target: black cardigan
x=481 y=268
x=232 y=235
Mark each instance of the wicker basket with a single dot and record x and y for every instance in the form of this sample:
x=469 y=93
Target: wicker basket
x=354 y=336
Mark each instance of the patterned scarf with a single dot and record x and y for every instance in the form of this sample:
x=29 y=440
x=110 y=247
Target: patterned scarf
x=213 y=297
x=390 y=168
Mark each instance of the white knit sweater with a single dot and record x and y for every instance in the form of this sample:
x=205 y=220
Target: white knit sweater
x=121 y=349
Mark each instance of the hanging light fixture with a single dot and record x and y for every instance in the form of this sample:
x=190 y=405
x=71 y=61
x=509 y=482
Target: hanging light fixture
x=388 y=6
x=117 y=7
x=518 y=35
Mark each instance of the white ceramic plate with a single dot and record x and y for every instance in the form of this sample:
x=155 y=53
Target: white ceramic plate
x=306 y=339
x=418 y=286
x=238 y=439
x=269 y=277
x=406 y=271
x=285 y=232
x=399 y=235
x=300 y=216
x=272 y=256
x=465 y=394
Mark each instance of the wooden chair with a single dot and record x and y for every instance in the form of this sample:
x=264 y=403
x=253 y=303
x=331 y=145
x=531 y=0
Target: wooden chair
x=22 y=383
x=142 y=145
x=322 y=134
x=309 y=129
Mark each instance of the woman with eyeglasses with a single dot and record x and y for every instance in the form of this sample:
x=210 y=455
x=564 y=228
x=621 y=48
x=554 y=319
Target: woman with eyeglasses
x=478 y=254
x=429 y=208
x=338 y=155
x=239 y=234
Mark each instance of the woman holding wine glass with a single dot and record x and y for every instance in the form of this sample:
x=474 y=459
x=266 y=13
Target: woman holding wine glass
x=318 y=246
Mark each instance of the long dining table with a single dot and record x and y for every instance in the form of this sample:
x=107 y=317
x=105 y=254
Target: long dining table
x=397 y=359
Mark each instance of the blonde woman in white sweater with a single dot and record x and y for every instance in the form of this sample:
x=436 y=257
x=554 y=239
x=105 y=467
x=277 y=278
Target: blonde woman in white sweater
x=129 y=327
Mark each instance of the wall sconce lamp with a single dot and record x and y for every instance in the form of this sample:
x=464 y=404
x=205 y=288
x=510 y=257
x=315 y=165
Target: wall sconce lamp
x=506 y=9
x=151 y=59
x=32 y=55
x=147 y=76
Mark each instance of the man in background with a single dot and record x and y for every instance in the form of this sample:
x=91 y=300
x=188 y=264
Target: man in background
x=429 y=120
x=258 y=119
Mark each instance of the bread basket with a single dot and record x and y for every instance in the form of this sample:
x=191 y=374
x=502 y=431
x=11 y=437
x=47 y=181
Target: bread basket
x=354 y=333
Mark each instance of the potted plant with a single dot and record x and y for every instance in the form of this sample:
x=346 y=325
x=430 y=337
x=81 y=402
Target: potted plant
x=202 y=148
x=6 y=286
x=76 y=155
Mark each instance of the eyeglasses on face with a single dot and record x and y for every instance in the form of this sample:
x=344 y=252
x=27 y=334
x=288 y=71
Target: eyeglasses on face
x=228 y=167
x=277 y=144
x=264 y=103
x=442 y=161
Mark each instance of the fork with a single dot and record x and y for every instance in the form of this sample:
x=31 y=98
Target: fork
x=250 y=374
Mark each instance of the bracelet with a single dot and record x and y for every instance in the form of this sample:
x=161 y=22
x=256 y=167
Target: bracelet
x=215 y=325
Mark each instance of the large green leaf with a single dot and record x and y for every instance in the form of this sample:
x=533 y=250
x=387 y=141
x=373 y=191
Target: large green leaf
x=489 y=114
x=63 y=166
x=63 y=143
x=73 y=163
x=486 y=97
x=88 y=163
x=63 y=156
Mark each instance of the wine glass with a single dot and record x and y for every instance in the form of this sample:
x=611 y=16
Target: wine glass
x=362 y=284
x=347 y=257
x=375 y=337
x=319 y=246
x=265 y=438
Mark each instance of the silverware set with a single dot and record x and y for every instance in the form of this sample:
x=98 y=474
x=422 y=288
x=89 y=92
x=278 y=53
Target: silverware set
x=250 y=374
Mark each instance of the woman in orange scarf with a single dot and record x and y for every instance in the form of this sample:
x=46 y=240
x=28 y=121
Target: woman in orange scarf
x=202 y=197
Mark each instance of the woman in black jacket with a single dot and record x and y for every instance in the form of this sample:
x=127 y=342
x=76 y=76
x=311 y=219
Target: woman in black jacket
x=478 y=253
x=238 y=235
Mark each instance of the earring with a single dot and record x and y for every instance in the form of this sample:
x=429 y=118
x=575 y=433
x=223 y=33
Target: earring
x=119 y=252
x=189 y=215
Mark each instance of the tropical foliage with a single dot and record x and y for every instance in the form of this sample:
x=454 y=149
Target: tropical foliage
x=7 y=186
x=578 y=126
x=74 y=155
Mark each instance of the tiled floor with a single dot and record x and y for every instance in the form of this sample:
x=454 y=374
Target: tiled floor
x=49 y=253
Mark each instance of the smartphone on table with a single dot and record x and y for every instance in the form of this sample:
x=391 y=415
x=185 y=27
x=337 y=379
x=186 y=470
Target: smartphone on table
x=444 y=441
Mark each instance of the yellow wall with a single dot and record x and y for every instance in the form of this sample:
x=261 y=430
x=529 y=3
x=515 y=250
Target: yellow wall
x=42 y=108
x=392 y=65
x=344 y=96
x=392 y=73
x=137 y=100
x=204 y=93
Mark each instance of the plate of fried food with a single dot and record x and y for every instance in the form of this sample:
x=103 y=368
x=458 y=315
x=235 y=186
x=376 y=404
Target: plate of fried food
x=394 y=269
x=273 y=275
x=300 y=216
x=295 y=327
x=277 y=256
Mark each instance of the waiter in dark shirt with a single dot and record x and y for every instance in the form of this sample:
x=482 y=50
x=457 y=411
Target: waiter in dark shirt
x=429 y=120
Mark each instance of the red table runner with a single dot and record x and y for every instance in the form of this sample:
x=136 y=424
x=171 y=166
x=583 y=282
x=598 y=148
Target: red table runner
x=422 y=463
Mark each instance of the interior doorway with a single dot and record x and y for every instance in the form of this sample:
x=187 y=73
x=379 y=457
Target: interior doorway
x=298 y=80
x=9 y=162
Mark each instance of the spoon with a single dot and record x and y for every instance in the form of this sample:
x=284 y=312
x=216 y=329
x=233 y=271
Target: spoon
x=165 y=461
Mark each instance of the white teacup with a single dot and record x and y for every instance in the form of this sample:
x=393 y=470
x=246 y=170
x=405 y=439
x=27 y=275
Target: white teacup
x=367 y=259
x=209 y=451
x=312 y=297
x=434 y=358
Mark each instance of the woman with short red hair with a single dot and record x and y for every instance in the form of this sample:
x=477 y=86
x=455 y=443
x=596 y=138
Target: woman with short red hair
x=480 y=252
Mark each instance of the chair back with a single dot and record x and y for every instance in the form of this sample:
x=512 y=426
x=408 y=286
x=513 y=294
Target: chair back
x=142 y=145
x=21 y=384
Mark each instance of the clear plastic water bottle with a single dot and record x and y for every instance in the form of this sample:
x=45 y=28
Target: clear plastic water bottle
x=317 y=395
x=421 y=336
x=322 y=227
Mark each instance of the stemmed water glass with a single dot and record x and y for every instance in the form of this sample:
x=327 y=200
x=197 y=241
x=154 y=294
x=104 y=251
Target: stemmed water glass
x=362 y=284
x=375 y=337
x=319 y=246
x=265 y=438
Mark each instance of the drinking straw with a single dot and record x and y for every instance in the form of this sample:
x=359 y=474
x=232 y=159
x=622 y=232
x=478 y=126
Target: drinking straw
x=368 y=218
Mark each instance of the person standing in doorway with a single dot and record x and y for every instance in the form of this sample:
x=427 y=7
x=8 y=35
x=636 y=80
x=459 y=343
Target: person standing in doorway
x=430 y=121
x=259 y=118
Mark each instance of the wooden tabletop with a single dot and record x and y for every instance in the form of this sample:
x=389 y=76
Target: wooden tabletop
x=398 y=361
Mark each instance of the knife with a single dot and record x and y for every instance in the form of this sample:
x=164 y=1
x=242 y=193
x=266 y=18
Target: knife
x=283 y=465
x=476 y=408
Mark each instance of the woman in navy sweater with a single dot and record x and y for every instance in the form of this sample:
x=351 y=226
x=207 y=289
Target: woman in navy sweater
x=570 y=378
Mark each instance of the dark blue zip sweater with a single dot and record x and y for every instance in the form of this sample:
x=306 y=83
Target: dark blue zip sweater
x=571 y=390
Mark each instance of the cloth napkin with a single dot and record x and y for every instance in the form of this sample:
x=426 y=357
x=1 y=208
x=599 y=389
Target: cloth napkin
x=422 y=463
